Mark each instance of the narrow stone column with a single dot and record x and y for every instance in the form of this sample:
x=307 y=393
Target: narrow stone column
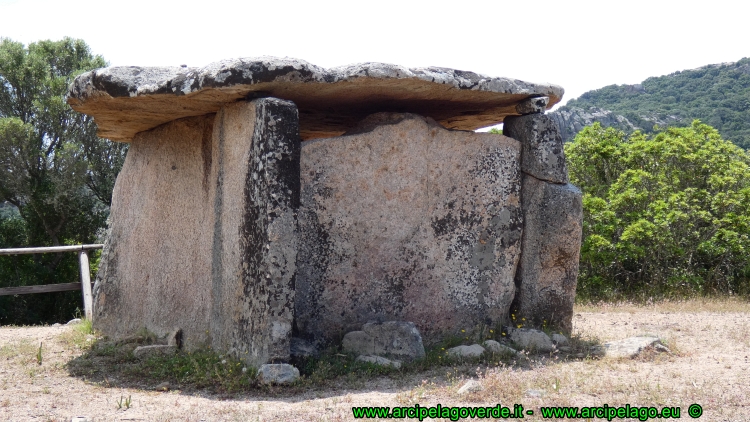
x=550 y=249
x=553 y=218
x=542 y=154
x=256 y=160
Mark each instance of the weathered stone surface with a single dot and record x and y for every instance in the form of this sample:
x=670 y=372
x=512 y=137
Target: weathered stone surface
x=163 y=386
x=530 y=339
x=559 y=339
x=379 y=360
x=629 y=347
x=74 y=321
x=548 y=269
x=254 y=251
x=471 y=386
x=145 y=352
x=128 y=100
x=473 y=351
x=391 y=338
x=543 y=156
x=405 y=220
x=203 y=233
x=175 y=338
x=495 y=347
x=155 y=268
x=532 y=105
x=570 y=120
x=302 y=348
x=277 y=373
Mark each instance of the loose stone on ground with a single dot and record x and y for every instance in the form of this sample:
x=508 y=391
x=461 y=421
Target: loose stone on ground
x=379 y=360
x=145 y=352
x=471 y=386
x=277 y=373
x=631 y=347
x=495 y=347
x=473 y=351
x=391 y=338
x=533 y=340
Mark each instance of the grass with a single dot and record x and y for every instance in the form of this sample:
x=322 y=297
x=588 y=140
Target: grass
x=105 y=361
x=81 y=337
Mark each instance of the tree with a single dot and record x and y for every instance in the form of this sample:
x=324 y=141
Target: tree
x=53 y=168
x=664 y=214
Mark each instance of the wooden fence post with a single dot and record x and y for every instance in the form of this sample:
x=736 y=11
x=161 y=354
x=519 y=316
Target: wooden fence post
x=88 y=300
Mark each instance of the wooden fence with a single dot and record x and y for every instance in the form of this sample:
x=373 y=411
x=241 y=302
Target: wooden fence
x=84 y=285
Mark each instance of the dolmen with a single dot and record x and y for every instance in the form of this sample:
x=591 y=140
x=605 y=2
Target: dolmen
x=263 y=199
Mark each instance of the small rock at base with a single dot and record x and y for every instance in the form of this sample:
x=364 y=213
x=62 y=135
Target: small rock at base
x=400 y=339
x=144 y=352
x=496 y=347
x=379 y=360
x=535 y=393
x=559 y=339
x=163 y=386
x=175 y=338
x=277 y=373
x=629 y=347
x=471 y=386
x=74 y=321
x=473 y=351
x=79 y=419
x=531 y=339
x=57 y=324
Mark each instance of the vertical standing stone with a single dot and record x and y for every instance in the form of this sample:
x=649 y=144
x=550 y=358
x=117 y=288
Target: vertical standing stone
x=542 y=153
x=551 y=245
x=155 y=270
x=404 y=220
x=552 y=222
x=256 y=155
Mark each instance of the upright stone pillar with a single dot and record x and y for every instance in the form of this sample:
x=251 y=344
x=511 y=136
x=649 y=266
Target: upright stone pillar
x=256 y=163
x=203 y=232
x=156 y=265
x=553 y=218
x=404 y=220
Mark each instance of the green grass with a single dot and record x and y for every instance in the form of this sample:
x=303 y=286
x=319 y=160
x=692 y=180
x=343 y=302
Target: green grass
x=104 y=361
x=198 y=369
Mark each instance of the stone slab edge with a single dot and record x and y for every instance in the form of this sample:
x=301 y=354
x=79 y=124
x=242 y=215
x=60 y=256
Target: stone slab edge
x=128 y=99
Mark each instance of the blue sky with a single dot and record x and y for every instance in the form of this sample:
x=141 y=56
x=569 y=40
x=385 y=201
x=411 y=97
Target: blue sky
x=580 y=45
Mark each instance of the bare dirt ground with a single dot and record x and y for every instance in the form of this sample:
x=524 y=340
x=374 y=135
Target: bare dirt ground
x=709 y=365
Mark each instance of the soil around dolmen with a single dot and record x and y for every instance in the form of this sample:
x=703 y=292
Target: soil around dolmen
x=709 y=366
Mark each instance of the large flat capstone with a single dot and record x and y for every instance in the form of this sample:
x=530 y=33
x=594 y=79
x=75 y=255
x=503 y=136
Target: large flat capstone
x=404 y=220
x=127 y=100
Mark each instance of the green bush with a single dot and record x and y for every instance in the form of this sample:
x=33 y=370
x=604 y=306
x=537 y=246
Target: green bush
x=664 y=215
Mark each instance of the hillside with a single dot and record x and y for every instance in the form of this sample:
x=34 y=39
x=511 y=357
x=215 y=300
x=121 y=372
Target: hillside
x=718 y=95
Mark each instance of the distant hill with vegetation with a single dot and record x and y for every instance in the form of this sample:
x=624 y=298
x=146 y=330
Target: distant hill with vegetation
x=717 y=94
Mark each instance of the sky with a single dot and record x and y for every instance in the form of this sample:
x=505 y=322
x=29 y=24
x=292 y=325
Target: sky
x=580 y=45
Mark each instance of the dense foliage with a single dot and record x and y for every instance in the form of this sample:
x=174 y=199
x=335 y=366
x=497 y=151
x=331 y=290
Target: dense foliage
x=663 y=215
x=718 y=95
x=56 y=176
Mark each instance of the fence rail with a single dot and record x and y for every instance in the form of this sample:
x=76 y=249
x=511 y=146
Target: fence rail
x=84 y=285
